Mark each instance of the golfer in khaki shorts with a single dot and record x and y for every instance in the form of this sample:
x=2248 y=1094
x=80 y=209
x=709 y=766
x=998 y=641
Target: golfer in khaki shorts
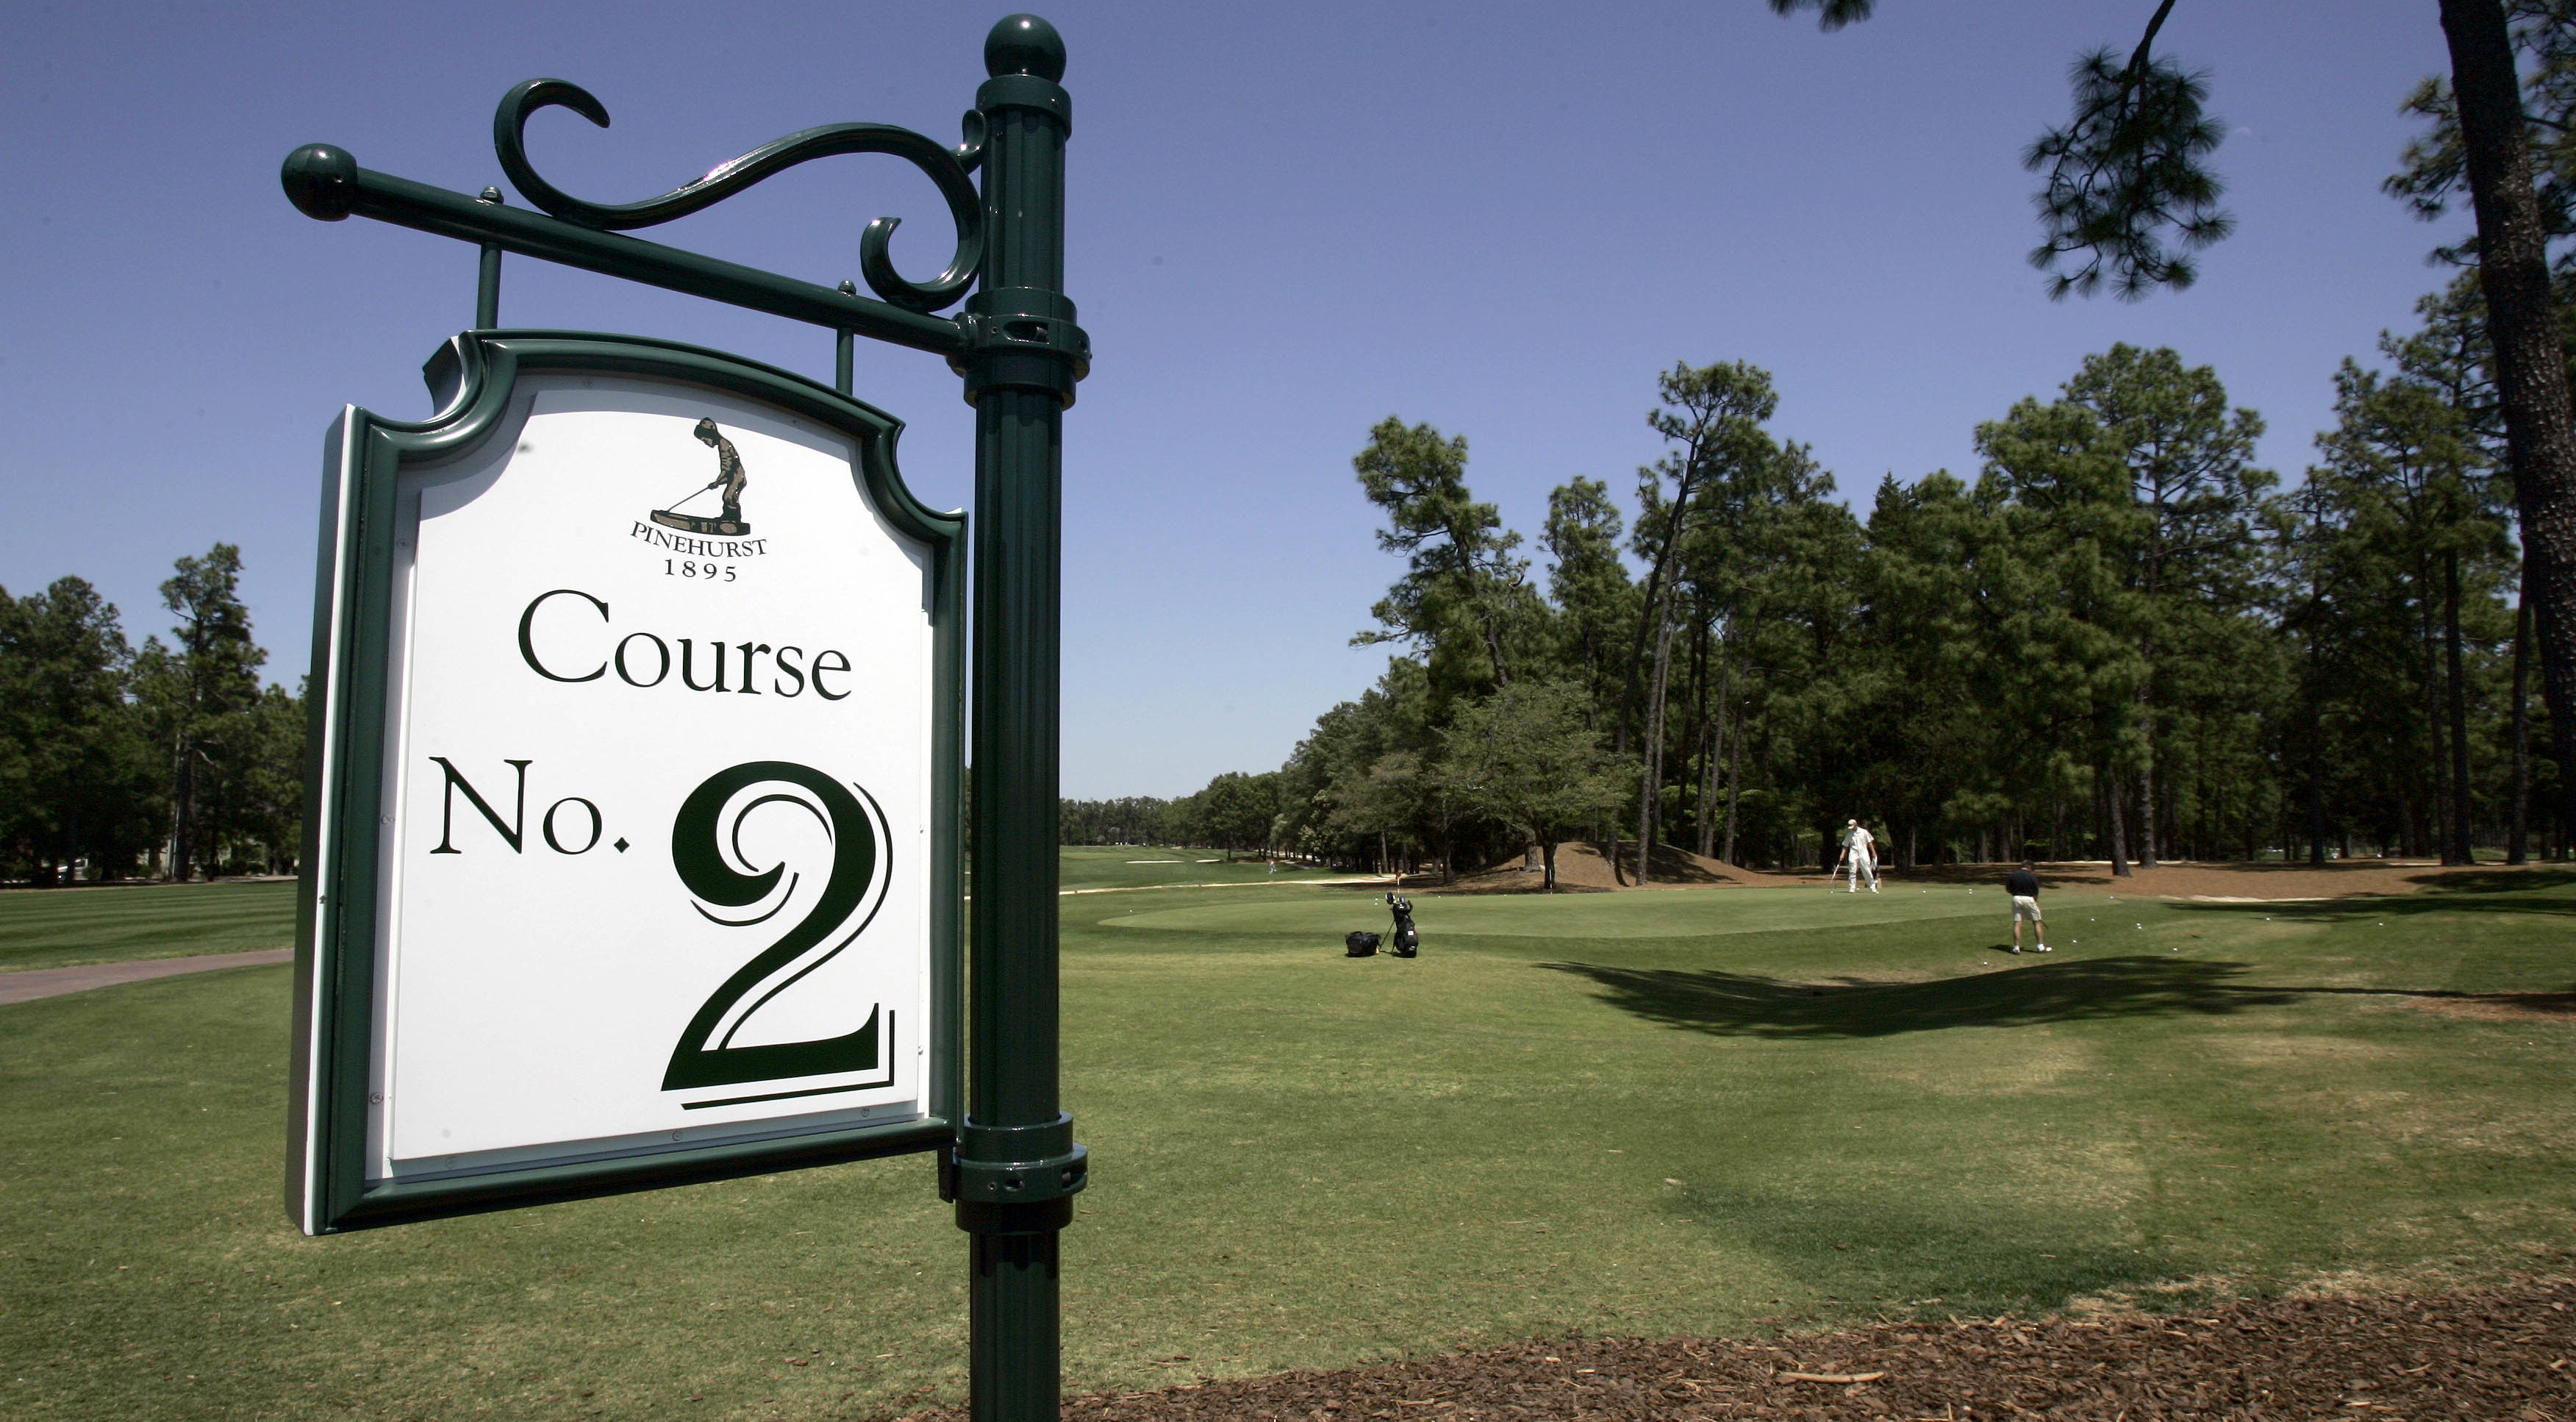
x=2024 y=888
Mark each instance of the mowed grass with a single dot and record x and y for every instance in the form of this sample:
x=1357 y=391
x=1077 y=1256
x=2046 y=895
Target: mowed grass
x=53 y=928
x=1643 y=1113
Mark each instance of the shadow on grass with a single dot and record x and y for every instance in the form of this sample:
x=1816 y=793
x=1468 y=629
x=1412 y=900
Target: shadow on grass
x=2447 y=895
x=1989 y=1258
x=2082 y=990
x=1740 y=1004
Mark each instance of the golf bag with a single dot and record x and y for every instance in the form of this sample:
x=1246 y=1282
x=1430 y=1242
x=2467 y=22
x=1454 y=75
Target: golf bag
x=1406 y=942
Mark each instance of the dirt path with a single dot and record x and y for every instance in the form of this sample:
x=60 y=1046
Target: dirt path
x=33 y=983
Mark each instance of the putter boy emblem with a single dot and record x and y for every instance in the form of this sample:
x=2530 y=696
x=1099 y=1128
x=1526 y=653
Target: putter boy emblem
x=729 y=477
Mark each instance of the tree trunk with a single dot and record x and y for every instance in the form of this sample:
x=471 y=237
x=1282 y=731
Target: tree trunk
x=183 y=811
x=2316 y=746
x=2146 y=783
x=2429 y=642
x=1651 y=783
x=1713 y=749
x=1698 y=722
x=2316 y=790
x=1704 y=811
x=1734 y=775
x=1547 y=854
x=2530 y=363
x=2119 y=829
x=1494 y=650
x=1658 y=586
x=2461 y=850
x=2517 y=843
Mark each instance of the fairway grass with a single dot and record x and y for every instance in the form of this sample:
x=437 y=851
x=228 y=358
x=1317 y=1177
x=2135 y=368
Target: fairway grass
x=1564 y=916
x=55 y=928
x=1647 y=1114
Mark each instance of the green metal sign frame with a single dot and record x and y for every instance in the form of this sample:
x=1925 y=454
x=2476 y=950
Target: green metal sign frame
x=337 y=989
x=1009 y=1164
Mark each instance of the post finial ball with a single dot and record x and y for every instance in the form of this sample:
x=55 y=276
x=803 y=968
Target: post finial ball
x=1024 y=44
x=322 y=181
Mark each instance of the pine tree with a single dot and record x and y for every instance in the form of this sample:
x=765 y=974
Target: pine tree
x=195 y=693
x=1462 y=587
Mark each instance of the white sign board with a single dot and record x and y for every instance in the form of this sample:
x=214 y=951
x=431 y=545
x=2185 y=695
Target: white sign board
x=657 y=768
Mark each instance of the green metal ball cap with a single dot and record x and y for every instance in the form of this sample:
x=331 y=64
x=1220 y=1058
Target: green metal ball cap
x=1024 y=44
x=320 y=180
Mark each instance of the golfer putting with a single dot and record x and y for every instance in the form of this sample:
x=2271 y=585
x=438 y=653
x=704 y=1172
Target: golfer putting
x=1860 y=857
x=729 y=478
x=2023 y=885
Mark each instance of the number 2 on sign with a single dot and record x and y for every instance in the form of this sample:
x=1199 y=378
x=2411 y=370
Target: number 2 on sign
x=856 y=882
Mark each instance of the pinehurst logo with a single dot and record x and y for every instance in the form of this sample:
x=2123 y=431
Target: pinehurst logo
x=698 y=535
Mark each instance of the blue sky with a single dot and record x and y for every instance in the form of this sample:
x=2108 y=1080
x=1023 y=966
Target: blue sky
x=1286 y=224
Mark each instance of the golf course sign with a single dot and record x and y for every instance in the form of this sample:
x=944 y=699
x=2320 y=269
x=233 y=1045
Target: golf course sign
x=636 y=843
x=635 y=784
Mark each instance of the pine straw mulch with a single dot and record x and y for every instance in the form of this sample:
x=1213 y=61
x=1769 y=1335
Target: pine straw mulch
x=2503 y=1353
x=1583 y=866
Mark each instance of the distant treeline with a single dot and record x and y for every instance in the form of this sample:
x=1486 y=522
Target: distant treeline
x=168 y=760
x=1231 y=814
x=1139 y=819
x=2120 y=640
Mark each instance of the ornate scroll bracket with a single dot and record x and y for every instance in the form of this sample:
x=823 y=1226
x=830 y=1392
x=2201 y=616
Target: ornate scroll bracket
x=948 y=168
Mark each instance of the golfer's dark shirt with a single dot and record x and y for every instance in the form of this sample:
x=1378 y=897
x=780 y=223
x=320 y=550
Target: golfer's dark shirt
x=2023 y=882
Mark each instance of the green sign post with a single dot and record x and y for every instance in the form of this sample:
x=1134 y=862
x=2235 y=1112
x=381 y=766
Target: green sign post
x=1008 y=1162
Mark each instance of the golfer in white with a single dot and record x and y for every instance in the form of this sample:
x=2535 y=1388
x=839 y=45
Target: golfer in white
x=1860 y=855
